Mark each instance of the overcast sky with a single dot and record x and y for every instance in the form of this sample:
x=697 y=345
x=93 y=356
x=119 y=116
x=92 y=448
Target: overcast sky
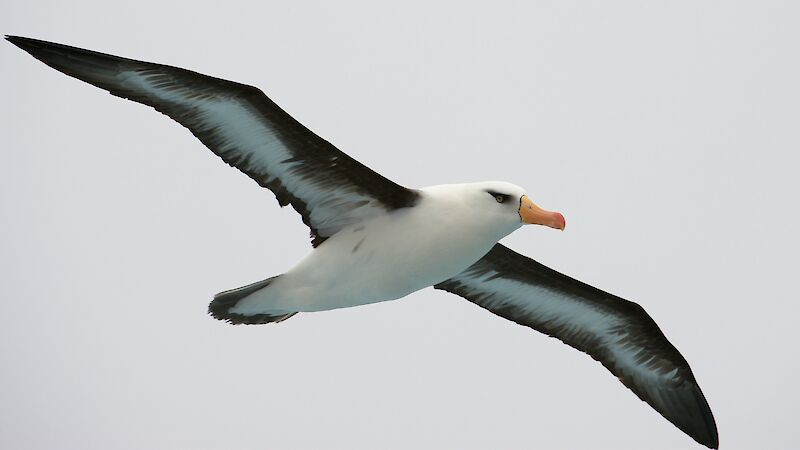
x=666 y=133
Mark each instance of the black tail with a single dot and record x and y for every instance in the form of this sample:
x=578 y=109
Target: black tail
x=221 y=306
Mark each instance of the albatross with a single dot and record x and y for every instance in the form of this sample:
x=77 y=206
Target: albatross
x=374 y=240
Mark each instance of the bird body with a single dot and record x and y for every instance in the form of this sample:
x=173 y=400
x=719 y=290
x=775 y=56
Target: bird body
x=392 y=255
x=375 y=240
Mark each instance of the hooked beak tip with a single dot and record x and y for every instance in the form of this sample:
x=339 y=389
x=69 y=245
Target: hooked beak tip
x=560 y=221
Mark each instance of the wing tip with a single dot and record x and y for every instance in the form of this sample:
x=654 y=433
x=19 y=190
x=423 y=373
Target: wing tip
x=711 y=436
x=705 y=434
x=19 y=41
x=689 y=411
x=47 y=52
x=711 y=442
x=27 y=44
x=707 y=437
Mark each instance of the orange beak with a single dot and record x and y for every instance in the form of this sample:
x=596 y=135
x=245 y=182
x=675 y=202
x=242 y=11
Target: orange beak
x=532 y=214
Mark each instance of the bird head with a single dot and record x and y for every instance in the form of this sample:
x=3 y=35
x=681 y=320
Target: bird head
x=510 y=203
x=495 y=206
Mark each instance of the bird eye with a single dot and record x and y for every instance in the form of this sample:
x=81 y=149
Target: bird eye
x=501 y=198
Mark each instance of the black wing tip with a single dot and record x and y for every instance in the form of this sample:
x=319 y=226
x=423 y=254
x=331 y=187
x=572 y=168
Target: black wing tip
x=46 y=50
x=688 y=410
x=704 y=430
x=705 y=436
x=711 y=441
x=19 y=41
x=29 y=44
x=710 y=438
x=50 y=53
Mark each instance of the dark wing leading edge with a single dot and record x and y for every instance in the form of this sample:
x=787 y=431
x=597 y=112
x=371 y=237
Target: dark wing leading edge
x=247 y=130
x=616 y=332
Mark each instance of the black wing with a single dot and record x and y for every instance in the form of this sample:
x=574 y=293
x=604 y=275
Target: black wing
x=614 y=331
x=247 y=130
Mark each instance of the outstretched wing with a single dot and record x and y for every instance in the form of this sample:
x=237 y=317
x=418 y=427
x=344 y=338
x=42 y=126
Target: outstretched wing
x=616 y=332
x=247 y=130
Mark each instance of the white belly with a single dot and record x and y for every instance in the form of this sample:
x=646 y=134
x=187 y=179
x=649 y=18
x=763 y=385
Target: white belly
x=383 y=259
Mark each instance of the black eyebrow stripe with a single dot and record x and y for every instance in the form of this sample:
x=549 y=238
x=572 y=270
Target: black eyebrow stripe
x=495 y=194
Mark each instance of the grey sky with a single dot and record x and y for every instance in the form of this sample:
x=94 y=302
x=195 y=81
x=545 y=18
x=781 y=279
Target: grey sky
x=666 y=133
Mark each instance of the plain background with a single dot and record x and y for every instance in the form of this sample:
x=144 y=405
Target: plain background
x=666 y=132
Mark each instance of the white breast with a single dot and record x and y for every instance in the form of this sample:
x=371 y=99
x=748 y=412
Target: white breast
x=388 y=257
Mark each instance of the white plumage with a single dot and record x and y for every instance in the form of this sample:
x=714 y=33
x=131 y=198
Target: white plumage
x=392 y=255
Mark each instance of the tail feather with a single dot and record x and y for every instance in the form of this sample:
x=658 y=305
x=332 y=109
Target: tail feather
x=220 y=307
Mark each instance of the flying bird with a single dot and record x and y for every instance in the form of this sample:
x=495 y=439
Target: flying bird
x=375 y=240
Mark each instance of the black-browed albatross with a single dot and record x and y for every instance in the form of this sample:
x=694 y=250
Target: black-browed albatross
x=375 y=240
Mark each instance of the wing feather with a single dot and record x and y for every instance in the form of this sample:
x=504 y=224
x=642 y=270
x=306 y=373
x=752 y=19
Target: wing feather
x=247 y=130
x=616 y=332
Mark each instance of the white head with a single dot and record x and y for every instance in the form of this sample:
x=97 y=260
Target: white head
x=496 y=205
